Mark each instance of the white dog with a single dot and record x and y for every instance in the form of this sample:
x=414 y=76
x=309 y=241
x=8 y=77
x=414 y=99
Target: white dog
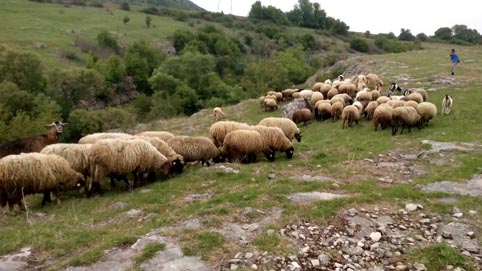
x=447 y=103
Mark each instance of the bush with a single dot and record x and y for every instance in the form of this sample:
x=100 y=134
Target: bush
x=359 y=45
x=106 y=39
x=125 y=6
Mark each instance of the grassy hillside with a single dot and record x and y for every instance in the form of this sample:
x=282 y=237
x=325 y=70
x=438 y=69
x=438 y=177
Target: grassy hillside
x=79 y=230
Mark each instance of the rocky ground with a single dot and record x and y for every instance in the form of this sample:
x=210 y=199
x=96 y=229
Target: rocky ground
x=363 y=238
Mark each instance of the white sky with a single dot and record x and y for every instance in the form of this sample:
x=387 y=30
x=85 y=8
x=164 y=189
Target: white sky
x=376 y=16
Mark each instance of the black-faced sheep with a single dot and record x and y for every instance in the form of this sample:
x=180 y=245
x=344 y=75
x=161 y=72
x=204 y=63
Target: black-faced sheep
x=275 y=139
x=221 y=128
x=289 y=128
x=33 y=144
x=404 y=116
x=382 y=116
x=176 y=160
x=244 y=145
x=162 y=135
x=114 y=157
x=427 y=111
x=395 y=87
x=349 y=115
x=447 y=104
x=195 y=148
x=30 y=173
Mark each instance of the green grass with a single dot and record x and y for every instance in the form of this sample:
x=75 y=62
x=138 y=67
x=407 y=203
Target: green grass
x=79 y=230
x=438 y=256
x=149 y=252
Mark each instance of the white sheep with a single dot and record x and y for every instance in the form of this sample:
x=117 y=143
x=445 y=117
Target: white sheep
x=30 y=173
x=93 y=138
x=221 y=128
x=162 y=135
x=289 y=128
x=218 y=113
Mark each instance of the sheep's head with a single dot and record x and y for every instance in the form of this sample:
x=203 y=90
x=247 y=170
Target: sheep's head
x=219 y=159
x=176 y=166
x=298 y=136
x=269 y=155
x=289 y=152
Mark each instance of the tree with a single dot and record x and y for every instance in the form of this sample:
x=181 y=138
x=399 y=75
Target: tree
x=308 y=42
x=106 y=39
x=126 y=19
x=443 y=33
x=22 y=68
x=422 y=37
x=406 y=35
x=462 y=32
x=148 y=21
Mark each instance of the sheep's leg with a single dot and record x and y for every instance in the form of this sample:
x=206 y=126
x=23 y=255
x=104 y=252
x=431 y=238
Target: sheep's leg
x=46 y=198
x=11 y=206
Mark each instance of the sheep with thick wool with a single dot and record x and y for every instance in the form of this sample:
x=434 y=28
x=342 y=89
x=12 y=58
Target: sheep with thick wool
x=370 y=110
x=29 y=173
x=348 y=88
x=115 y=157
x=427 y=111
x=289 y=128
x=382 y=116
x=162 y=135
x=323 y=110
x=221 y=128
x=417 y=97
x=331 y=93
x=176 y=160
x=382 y=99
x=350 y=114
x=195 y=148
x=336 y=110
x=303 y=115
x=373 y=80
x=77 y=155
x=275 y=139
x=270 y=104
x=323 y=88
x=317 y=96
x=93 y=138
x=244 y=145
x=404 y=117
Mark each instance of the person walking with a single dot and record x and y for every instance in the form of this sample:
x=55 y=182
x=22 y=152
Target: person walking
x=455 y=60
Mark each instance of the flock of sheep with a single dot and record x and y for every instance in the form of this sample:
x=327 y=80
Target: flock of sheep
x=354 y=98
x=42 y=165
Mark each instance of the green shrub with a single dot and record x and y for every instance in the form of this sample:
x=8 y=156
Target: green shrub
x=359 y=45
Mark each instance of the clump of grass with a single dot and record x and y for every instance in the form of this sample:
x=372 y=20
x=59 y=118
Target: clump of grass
x=149 y=251
x=438 y=256
x=202 y=244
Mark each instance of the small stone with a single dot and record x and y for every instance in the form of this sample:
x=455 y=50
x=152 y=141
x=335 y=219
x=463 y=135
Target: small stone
x=375 y=236
x=271 y=176
x=447 y=235
x=410 y=207
x=254 y=267
x=420 y=267
x=270 y=232
x=324 y=259
x=401 y=267
x=470 y=234
x=472 y=212
x=234 y=267
x=248 y=255
x=458 y=215
x=315 y=262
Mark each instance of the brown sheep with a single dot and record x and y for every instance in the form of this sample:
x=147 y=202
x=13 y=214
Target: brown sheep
x=349 y=115
x=302 y=115
x=244 y=145
x=289 y=128
x=336 y=110
x=323 y=111
x=382 y=116
x=195 y=148
x=221 y=128
x=405 y=116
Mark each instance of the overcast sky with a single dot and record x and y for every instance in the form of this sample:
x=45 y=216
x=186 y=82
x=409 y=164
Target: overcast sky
x=376 y=16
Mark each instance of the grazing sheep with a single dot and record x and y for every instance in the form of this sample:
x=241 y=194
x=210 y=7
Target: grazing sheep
x=275 y=139
x=195 y=148
x=373 y=79
x=29 y=173
x=427 y=111
x=317 y=96
x=323 y=88
x=288 y=94
x=270 y=104
x=289 y=128
x=404 y=116
x=364 y=95
x=244 y=145
x=370 y=109
x=115 y=157
x=218 y=113
x=176 y=160
x=331 y=93
x=336 y=110
x=417 y=97
x=383 y=116
x=349 y=115
x=411 y=103
x=221 y=128
x=302 y=115
x=346 y=98
x=422 y=92
x=447 y=104
x=323 y=111
x=348 y=88
x=77 y=155
x=382 y=99
x=33 y=144
x=396 y=103
x=261 y=101
x=375 y=94
x=93 y=138
x=162 y=135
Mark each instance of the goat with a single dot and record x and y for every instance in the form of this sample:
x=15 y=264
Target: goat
x=394 y=86
x=33 y=144
x=447 y=103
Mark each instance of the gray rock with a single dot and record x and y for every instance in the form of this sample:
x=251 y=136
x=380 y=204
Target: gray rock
x=375 y=236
